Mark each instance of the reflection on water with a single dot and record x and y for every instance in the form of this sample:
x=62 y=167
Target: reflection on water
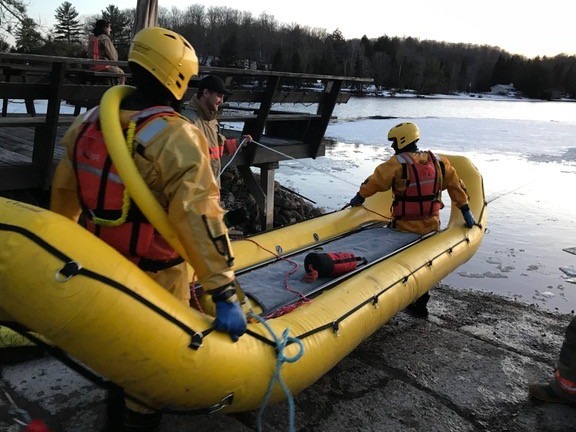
x=529 y=171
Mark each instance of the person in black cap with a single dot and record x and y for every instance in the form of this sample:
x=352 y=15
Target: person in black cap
x=203 y=112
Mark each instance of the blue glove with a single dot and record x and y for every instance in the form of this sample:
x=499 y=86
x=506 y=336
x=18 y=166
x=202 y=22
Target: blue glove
x=230 y=317
x=357 y=200
x=468 y=218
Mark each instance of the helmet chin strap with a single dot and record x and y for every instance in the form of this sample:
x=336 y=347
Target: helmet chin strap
x=411 y=148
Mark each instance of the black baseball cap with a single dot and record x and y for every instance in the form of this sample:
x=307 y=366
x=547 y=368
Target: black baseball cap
x=213 y=83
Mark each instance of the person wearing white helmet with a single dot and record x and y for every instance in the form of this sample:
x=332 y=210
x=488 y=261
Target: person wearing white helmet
x=417 y=179
x=172 y=156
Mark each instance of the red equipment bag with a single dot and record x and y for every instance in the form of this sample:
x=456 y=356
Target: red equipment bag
x=330 y=264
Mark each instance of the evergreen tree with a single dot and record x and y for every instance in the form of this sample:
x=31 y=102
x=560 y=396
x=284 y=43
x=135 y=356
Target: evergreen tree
x=67 y=27
x=278 y=60
x=229 y=52
x=121 y=32
x=28 y=38
x=4 y=46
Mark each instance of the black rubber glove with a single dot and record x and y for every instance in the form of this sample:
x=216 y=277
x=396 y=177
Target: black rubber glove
x=357 y=200
x=468 y=217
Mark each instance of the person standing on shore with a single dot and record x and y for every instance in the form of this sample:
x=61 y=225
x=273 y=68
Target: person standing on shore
x=417 y=179
x=171 y=155
x=203 y=112
x=562 y=387
x=101 y=47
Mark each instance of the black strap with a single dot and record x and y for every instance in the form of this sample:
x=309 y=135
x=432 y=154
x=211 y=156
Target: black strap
x=425 y=198
x=154 y=266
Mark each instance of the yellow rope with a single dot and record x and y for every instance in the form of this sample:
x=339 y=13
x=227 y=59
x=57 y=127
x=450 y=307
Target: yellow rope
x=126 y=195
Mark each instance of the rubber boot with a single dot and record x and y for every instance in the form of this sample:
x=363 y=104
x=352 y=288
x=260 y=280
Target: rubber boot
x=419 y=308
x=140 y=422
x=115 y=410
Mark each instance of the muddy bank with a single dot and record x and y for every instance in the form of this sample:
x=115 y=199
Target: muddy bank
x=465 y=368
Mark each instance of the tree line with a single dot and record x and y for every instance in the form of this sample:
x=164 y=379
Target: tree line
x=231 y=38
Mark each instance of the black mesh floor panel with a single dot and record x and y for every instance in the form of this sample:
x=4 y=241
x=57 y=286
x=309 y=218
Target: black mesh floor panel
x=279 y=283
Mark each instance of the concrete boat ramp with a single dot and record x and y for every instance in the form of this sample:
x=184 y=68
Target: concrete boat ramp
x=465 y=368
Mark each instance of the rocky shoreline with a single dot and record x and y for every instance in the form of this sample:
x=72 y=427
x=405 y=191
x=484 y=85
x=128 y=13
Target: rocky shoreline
x=289 y=207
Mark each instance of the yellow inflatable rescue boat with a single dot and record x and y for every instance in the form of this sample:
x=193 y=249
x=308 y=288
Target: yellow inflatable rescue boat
x=68 y=287
x=73 y=289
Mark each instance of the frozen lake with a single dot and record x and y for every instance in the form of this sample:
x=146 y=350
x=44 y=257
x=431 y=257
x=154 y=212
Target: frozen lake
x=526 y=152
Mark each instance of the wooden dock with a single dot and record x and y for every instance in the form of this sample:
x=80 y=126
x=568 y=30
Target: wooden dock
x=29 y=142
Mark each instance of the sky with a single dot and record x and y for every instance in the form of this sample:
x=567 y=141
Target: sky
x=529 y=28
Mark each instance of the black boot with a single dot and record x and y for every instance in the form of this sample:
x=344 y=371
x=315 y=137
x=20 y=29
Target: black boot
x=419 y=308
x=115 y=410
x=139 y=422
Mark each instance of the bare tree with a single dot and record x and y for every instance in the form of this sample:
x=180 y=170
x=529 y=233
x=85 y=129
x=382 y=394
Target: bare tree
x=12 y=15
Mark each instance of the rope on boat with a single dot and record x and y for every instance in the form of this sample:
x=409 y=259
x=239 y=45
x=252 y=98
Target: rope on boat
x=233 y=156
x=287 y=157
x=280 y=344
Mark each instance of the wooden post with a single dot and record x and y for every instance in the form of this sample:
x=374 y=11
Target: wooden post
x=45 y=135
x=263 y=191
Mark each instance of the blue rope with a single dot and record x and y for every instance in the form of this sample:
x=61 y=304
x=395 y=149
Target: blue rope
x=280 y=344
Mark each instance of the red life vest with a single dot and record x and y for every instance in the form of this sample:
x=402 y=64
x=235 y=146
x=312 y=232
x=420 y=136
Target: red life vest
x=102 y=197
x=422 y=197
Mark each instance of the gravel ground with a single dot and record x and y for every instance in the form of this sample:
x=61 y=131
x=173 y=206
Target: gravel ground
x=465 y=368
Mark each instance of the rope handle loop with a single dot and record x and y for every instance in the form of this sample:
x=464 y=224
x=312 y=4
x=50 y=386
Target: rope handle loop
x=280 y=343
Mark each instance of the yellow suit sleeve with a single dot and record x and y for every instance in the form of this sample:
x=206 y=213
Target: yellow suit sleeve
x=382 y=179
x=177 y=168
x=453 y=185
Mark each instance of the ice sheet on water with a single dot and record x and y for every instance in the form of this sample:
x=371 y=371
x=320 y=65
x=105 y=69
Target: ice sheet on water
x=568 y=156
x=569 y=271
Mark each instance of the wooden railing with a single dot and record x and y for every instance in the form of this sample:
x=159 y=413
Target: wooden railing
x=59 y=80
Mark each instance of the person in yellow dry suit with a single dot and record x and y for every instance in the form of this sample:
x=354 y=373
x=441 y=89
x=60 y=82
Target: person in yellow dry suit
x=172 y=156
x=417 y=179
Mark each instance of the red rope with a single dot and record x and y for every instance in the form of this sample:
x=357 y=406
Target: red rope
x=311 y=274
x=376 y=213
x=194 y=294
x=303 y=298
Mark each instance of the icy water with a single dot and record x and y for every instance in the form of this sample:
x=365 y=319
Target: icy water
x=526 y=152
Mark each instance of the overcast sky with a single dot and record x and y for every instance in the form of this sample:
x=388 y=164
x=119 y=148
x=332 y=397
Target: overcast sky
x=527 y=28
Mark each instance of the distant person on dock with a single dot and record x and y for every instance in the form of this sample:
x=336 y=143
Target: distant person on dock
x=172 y=157
x=417 y=179
x=562 y=388
x=101 y=47
x=203 y=112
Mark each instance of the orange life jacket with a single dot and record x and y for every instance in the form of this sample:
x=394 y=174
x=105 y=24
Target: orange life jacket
x=422 y=197
x=94 y=53
x=228 y=147
x=102 y=197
